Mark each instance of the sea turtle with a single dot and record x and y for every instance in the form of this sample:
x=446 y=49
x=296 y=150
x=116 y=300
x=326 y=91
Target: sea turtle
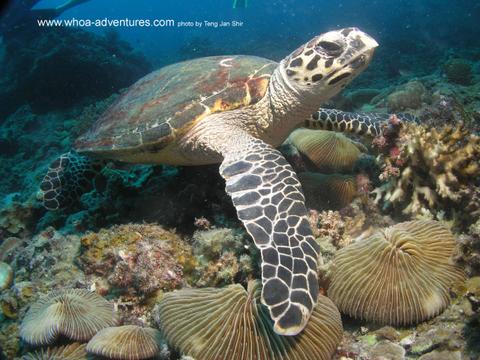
x=235 y=110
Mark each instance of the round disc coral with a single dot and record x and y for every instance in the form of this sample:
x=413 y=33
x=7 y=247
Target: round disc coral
x=329 y=151
x=77 y=314
x=230 y=323
x=397 y=276
x=73 y=351
x=129 y=342
x=331 y=192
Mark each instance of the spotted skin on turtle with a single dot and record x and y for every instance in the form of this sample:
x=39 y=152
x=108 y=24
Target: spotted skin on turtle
x=235 y=110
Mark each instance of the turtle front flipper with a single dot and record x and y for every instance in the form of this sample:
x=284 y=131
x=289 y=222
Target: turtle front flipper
x=67 y=178
x=269 y=200
x=361 y=123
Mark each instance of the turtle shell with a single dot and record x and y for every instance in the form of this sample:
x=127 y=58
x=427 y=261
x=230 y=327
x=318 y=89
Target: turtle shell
x=168 y=101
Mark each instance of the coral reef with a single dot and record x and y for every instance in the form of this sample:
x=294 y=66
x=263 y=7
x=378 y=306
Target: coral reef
x=342 y=227
x=6 y=275
x=55 y=68
x=47 y=260
x=458 y=71
x=417 y=254
x=231 y=323
x=469 y=256
x=409 y=96
x=128 y=342
x=15 y=217
x=438 y=172
x=222 y=256
x=445 y=334
x=8 y=247
x=140 y=258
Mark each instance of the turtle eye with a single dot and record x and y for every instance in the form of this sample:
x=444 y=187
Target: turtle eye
x=329 y=47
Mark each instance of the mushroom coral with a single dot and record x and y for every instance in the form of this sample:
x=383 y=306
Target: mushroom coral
x=398 y=276
x=332 y=191
x=230 y=323
x=73 y=351
x=128 y=342
x=329 y=151
x=74 y=313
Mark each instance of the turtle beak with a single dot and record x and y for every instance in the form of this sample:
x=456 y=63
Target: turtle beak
x=369 y=41
x=361 y=44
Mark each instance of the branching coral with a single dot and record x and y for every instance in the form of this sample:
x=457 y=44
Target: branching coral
x=438 y=170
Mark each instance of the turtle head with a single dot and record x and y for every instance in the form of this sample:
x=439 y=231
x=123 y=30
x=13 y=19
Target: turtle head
x=328 y=62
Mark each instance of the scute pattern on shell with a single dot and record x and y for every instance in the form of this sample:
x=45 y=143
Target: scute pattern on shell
x=230 y=323
x=398 y=276
x=128 y=342
x=75 y=313
x=170 y=99
x=329 y=151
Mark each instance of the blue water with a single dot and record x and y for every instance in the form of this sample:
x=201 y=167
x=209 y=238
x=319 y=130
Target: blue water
x=399 y=25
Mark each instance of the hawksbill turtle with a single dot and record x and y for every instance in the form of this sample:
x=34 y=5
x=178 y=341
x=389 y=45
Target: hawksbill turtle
x=235 y=110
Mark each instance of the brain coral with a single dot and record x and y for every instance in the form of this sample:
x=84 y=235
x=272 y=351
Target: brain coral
x=230 y=323
x=128 y=342
x=397 y=276
x=74 y=313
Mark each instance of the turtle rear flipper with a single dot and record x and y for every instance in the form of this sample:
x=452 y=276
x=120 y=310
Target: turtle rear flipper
x=67 y=178
x=269 y=201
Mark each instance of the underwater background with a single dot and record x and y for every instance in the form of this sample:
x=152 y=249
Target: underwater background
x=143 y=231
